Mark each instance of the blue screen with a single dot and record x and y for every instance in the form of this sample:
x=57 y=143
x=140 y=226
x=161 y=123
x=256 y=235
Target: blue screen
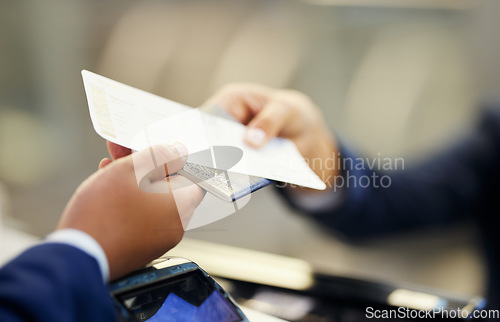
x=189 y=297
x=214 y=308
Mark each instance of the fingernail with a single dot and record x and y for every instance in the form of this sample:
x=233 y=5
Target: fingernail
x=181 y=149
x=255 y=136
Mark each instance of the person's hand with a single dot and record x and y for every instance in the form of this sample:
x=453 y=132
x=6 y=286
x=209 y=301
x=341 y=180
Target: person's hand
x=132 y=225
x=269 y=112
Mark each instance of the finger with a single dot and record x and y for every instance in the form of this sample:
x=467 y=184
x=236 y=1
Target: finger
x=242 y=101
x=187 y=196
x=117 y=151
x=268 y=123
x=157 y=162
x=104 y=162
x=238 y=107
x=233 y=104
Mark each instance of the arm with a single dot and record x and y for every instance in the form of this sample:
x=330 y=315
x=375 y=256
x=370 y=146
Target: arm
x=442 y=189
x=54 y=282
x=132 y=218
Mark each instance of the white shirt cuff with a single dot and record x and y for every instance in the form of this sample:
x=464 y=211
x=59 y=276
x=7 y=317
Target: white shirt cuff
x=85 y=243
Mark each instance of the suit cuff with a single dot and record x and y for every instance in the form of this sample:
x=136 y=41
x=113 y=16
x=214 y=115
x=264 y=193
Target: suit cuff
x=85 y=243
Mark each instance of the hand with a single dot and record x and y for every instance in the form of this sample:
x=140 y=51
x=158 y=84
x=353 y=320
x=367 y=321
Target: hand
x=134 y=226
x=269 y=112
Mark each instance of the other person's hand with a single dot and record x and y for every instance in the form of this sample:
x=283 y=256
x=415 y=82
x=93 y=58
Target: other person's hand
x=269 y=112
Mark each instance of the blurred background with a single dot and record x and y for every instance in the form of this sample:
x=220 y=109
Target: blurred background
x=397 y=77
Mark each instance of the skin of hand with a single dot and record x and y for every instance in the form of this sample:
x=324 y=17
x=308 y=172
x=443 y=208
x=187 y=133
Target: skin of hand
x=133 y=226
x=269 y=112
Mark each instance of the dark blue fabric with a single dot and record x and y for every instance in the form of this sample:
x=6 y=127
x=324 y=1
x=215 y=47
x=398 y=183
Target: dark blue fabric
x=54 y=282
x=460 y=182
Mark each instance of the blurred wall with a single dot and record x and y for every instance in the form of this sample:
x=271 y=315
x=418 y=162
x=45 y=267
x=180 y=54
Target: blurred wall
x=390 y=79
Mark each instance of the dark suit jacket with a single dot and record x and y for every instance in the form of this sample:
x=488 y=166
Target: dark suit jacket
x=460 y=182
x=54 y=282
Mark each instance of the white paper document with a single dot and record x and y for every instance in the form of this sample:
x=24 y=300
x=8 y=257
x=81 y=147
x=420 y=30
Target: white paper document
x=137 y=119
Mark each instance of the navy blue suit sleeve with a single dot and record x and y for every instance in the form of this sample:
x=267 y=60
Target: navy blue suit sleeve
x=443 y=189
x=54 y=282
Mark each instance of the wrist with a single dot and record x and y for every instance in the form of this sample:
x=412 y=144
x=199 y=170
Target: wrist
x=323 y=160
x=84 y=242
x=319 y=149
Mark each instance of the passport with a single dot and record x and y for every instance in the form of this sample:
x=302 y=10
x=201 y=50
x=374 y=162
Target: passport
x=219 y=161
x=226 y=185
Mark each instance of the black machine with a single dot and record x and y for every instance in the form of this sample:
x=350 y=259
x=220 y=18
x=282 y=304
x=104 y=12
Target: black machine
x=173 y=289
x=176 y=289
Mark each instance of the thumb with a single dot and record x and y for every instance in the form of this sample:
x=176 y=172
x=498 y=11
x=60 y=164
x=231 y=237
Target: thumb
x=157 y=162
x=104 y=162
x=117 y=151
